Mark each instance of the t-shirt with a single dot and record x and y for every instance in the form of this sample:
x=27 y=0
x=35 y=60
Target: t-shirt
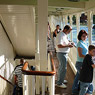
x=86 y=73
x=18 y=73
x=62 y=39
x=84 y=47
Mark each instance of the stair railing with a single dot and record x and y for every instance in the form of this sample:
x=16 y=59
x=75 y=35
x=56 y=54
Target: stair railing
x=47 y=79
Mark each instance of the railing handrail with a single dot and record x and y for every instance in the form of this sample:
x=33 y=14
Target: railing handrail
x=40 y=73
x=6 y=80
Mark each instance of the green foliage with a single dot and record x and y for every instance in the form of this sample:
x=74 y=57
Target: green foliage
x=74 y=19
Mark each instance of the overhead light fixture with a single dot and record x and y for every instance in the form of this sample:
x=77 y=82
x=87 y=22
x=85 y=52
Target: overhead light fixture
x=74 y=0
x=59 y=9
x=77 y=0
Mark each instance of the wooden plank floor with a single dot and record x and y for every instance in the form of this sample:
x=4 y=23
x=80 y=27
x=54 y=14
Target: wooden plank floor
x=69 y=77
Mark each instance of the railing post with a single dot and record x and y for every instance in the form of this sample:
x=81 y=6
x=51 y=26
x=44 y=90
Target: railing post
x=51 y=85
x=33 y=85
x=24 y=85
x=43 y=85
x=38 y=84
x=52 y=90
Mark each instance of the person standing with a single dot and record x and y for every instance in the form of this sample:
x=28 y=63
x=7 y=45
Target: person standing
x=49 y=32
x=86 y=73
x=18 y=77
x=62 y=49
x=56 y=31
x=82 y=50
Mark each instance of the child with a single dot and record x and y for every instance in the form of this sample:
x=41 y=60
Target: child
x=86 y=74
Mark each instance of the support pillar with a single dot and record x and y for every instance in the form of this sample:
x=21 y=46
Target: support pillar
x=90 y=22
x=43 y=30
x=66 y=20
x=63 y=21
x=61 y=26
x=51 y=22
x=71 y=24
x=37 y=55
x=60 y=21
x=78 y=23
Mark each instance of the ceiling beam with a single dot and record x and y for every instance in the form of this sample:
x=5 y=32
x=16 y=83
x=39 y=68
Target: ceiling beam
x=54 y=3
x=18 y=2
x=66 y=3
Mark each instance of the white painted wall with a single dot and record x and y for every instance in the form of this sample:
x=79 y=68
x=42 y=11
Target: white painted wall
x=19 y=21
x=7 y=63
x=5 y=88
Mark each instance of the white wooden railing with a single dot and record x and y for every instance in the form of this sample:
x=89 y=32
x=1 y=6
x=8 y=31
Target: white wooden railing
x=72 y=58
x=39 y=82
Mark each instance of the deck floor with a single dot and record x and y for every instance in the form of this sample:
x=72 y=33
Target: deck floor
x=69 y=77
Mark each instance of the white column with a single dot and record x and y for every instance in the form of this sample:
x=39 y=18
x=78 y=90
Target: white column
x=66 y=20
x=57 y=20
x=78 y=23
x=37 y=56
x=63 y=21
x=90 y=22
x=71 y=26
x=43 y=30
x=37 y=59
x=60 y=20
x=52 y=23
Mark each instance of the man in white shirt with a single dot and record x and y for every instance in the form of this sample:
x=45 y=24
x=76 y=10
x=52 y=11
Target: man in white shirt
x=63 y=47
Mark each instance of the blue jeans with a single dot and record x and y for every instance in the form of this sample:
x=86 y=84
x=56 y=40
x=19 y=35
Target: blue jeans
x=85 y=88
x=75 y=87
x=17 y=90
x=62 y=58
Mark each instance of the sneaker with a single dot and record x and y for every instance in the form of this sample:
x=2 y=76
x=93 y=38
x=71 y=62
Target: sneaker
x=62 y=86
x=65 y=81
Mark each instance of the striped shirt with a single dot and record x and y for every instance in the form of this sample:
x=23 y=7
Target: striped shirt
x=18 y=73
